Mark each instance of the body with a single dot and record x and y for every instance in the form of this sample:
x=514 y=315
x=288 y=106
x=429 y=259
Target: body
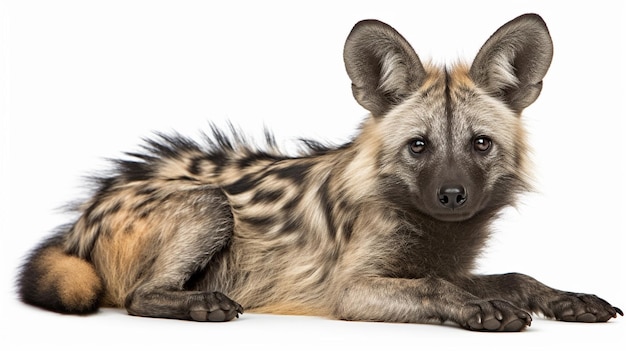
x=384 y=228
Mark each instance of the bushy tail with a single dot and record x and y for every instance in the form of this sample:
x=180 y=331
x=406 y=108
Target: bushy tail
x=60 y=282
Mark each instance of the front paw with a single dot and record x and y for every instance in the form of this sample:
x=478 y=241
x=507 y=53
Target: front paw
x=573 y=307
x=494 y=315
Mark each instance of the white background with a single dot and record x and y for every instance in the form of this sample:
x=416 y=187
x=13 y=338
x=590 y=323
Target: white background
x=82 y=81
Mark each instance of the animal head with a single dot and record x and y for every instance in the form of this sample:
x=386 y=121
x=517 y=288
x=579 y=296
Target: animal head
x=451 y=137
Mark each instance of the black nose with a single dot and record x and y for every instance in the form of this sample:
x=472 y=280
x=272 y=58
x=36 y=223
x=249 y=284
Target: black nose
x=452 y=196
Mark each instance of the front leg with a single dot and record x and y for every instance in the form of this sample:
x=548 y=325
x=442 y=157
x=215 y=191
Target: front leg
x=528 y=293
x=425 y=300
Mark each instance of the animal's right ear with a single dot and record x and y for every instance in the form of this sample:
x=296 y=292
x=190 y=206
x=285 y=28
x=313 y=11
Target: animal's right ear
x=382 y=65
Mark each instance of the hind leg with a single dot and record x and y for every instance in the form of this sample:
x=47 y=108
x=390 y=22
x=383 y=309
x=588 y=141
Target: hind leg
x=192 y=305
x=163 y=294
x=199 y=232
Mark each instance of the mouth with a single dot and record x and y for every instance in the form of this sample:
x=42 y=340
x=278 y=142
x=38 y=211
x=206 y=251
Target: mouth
x=452 y=215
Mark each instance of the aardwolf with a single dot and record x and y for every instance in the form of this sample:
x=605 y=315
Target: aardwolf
x=384 y=228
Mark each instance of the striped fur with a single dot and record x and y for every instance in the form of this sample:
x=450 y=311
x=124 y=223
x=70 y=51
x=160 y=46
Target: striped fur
x=385 y=227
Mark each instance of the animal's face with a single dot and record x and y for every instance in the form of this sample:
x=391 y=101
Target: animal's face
x=453 y=146
x=452 y=138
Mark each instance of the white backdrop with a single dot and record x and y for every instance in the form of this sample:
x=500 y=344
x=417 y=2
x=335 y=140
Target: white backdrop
x=84 y=81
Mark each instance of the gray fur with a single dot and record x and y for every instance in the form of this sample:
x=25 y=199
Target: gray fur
x=384 y=228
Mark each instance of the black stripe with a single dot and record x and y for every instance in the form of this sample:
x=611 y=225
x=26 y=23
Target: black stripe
x=243 y=184
x=253 y=158
x=142 y=205
x=183 y=178
x=296 y=172
x=131 y=171
x=195 y=166
x=291 y=204
x=149 y=204
x=292 y=225
x=259 y=221
x=95 y=217
x=266 y=196
x=147 y=190
x=219 y=159
x=327 y=206
x=145 y=212
x=448 y=96
x=347 y=229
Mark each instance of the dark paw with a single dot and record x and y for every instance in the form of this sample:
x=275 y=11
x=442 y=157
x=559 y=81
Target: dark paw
x=216 y=307
x=495 y=315
x=573 y=307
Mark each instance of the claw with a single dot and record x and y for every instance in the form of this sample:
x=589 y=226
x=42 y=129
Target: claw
x=499 y=315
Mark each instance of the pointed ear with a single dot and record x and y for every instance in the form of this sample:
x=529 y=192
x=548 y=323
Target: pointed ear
x=383 y=67
x=512 y=63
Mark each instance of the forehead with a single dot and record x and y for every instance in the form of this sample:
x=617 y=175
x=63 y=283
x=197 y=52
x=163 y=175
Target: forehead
x=449 y=107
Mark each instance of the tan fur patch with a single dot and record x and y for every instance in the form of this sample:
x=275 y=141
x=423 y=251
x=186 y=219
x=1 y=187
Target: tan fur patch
x=459 y=77
x=120 y=256
x=75 y=280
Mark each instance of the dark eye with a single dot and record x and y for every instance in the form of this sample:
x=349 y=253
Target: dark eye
x=482 y=144
x=417 y=146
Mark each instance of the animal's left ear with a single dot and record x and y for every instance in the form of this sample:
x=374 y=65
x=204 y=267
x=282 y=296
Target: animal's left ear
x=512 y=63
